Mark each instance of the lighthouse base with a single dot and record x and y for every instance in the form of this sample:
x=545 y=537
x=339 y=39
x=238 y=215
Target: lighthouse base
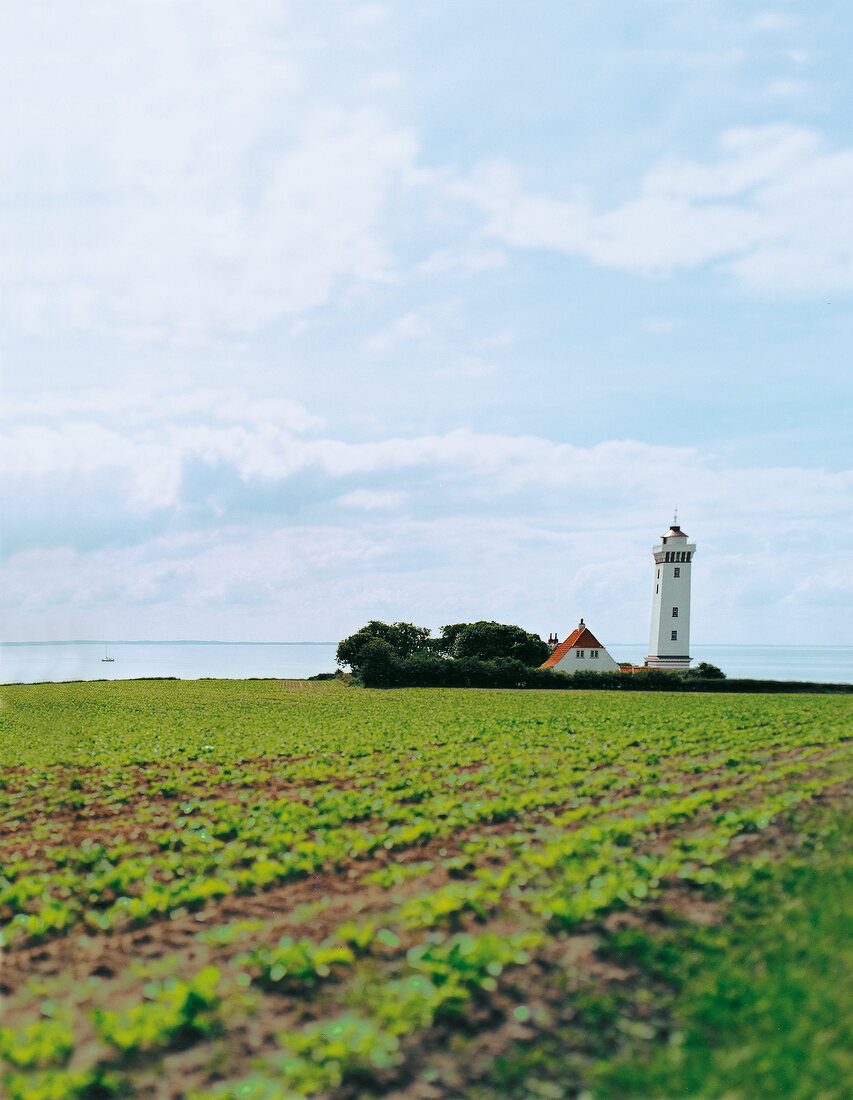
x=676 y=664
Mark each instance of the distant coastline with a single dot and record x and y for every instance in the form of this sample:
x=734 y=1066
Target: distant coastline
x=219 y=641
x=188 y=659
x=153 y=641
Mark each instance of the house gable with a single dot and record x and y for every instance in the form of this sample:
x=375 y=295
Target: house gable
x=577 y=650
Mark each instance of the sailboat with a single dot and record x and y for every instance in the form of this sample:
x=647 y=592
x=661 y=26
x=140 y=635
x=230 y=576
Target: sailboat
x=106 y=656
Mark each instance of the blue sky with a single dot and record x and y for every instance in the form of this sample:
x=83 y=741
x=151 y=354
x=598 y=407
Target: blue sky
x=316 y=313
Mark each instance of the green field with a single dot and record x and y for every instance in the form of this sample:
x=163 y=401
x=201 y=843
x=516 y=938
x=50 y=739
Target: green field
x=277 y=889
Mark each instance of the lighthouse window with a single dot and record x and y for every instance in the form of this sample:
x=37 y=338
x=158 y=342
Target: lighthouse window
x=673 y=635
x=676 y=572
x=657 y=586
x=675 y=613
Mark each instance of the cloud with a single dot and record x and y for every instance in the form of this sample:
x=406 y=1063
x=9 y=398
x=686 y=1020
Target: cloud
x=183 y=175
x=466 y=262
x=775 y=210
x=410 y=328
x=371 y=499
x=660 y=326
x=788 y=89
x=132 y=407
x=466 y=367
x=253 y=444
x=773 y=21
x=166 y=523
x=753 y=577
x=248 y=182
x=175 y=176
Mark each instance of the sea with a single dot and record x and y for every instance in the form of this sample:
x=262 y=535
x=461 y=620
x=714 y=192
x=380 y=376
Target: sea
x=38 y=662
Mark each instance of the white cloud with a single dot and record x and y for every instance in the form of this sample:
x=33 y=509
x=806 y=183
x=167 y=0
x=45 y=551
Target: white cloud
x=467 y=367
x=372 y=499
x=385 y=82
x=151 y=460
x=412 y=327
x=470 y=261
x=774 y=21
x=237 y=511
x=369 y=13
x=180 y=174
x=132 y=407
x=168 y=528
x=788 y=89
x=660 y=326
x=775 y=209
x=757 y=576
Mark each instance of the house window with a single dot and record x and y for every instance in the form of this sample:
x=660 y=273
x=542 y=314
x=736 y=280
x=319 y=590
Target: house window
x=675 y=613
x=579 y=654
x=676 y=572
x=594 y=654
x=673 y=637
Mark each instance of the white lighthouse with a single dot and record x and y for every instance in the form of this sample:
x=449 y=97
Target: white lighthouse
x=669 y=643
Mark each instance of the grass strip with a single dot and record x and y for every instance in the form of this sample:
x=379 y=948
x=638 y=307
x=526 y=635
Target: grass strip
x=764 y=1000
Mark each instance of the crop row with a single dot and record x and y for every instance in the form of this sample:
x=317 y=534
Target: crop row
x=271 y=850
x=573 y=878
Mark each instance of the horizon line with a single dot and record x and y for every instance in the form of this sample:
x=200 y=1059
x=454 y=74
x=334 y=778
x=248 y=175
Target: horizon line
x=219 y=641
x=151 y=641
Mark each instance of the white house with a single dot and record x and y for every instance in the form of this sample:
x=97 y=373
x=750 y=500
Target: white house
x=669 y=643
x=581 y=650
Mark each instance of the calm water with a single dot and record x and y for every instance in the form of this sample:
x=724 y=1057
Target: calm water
x=32 y=662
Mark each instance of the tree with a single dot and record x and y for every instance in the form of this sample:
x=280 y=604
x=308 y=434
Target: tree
x=403 y=639
x=443 y=645
x=706 y=671
x=488 y=641
x=377 y=662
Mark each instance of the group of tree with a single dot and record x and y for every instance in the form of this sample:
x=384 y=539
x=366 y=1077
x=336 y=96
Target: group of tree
x=480 y=641
x=483 y=654
x=704 y=671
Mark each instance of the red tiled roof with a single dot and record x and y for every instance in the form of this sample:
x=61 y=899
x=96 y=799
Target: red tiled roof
x=580 y=638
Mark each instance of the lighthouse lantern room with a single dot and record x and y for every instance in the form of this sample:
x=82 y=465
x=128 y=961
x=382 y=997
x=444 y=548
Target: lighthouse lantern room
x=669 y=642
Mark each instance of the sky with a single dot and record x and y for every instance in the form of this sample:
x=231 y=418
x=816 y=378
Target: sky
x=318 y=312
